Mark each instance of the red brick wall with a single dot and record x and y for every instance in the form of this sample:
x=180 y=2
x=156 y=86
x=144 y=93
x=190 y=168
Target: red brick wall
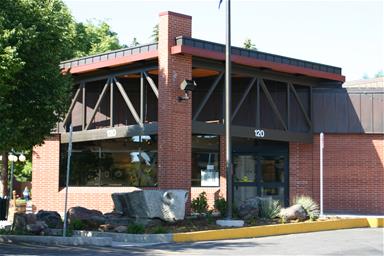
x=175 y=118
x=353 y=172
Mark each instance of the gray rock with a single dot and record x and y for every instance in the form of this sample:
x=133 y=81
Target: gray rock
x=19 y=221
x=168 y=205
x=295 y=212
x=121 y=229
x=249 y=208
x=91 y=218
x=51 y=218
x=31 y=218
x=37 y=228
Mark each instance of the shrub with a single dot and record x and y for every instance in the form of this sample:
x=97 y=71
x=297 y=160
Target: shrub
x=269 y=208
x=160 y=230
x=136 y=229
x=200 y=203
x=77 y=224
x=309 y=205
x=221 y=206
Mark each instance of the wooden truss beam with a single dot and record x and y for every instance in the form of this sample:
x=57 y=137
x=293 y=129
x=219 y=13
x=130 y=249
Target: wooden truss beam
x=98 y=103
x=245 y=94
x=128 y=101
x=308 y=120
x=206 y=98
x=272 y=104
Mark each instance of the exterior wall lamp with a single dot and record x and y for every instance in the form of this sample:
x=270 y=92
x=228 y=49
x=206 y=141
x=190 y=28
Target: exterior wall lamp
x=186 y=86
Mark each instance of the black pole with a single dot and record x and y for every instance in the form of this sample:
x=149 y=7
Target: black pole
x=228 y=106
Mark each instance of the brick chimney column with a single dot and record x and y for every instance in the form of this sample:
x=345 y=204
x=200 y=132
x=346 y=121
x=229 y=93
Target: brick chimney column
x=174 y=117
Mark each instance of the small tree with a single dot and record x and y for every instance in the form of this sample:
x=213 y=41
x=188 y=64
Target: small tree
x=134 y=42
x=155 y=34
x=248 y=44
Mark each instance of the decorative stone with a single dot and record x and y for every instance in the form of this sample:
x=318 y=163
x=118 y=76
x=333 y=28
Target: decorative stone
x=37 y=228
x=121 y=229
x=106 y=227
x=295 y=212
x=51 y=218
x=168 y=205
x=249 y=208
x=19 y=221
x=230 y=223
x=91 y=218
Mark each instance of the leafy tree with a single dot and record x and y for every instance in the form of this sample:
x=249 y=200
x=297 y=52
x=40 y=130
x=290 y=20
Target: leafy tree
x=379 y=74
x=248 y=44
x=134 y=42
x=155 y=34
x=93 y=38
x=35 y=35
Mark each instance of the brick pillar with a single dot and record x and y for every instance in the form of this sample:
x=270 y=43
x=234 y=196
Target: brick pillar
x=45 y=174
x=174 y=117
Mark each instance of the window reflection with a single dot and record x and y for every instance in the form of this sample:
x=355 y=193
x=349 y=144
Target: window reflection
x=121 y=162
x=205 y=161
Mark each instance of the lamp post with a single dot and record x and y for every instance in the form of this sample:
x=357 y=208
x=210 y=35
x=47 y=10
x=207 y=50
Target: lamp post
x=12 y=157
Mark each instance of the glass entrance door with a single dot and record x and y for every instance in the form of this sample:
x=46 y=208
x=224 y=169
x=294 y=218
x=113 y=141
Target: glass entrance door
x=260 y=174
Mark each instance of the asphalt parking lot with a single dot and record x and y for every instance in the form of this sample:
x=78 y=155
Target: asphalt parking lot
x=362 y=241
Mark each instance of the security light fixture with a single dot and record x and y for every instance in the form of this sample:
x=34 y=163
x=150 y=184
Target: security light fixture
x=187 y=86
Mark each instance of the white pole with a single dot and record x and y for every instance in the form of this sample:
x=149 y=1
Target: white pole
x=67 y=180
x=321 y=173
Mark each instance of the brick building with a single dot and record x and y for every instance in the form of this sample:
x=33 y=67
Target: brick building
x=132 y=130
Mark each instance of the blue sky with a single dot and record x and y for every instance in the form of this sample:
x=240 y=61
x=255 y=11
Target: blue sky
x=348 y=34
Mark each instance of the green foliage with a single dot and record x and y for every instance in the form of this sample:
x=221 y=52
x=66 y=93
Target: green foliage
x=379 y=74
x=221 y=206
x=160 y=230
x=93 y=38
x=134 y=42
x=309 y=205
x=155 y=34
x=200 y=203
x=136 y=229
x=248 y=44
x=77 y=224
x=34 y=37
x=269 y=209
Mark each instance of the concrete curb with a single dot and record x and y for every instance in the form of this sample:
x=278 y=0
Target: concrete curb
x=57 y=240
x=127 y=238
x=279 y=229
x=108 y=239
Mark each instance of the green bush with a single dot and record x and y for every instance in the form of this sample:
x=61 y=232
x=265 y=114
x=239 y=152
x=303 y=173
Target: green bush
x=221 y=206
x=136 y=229
x=160 y=230
x=269 y=208
x=200 y=203
x=309 y=205
x=77 y=224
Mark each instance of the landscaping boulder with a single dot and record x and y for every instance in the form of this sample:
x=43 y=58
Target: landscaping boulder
x=21 y=220
x=92 y=219
x=37 y=227
x=249 y=208
x=51 y=218
x=295 y=212
x=121 y=229
x=168 y=205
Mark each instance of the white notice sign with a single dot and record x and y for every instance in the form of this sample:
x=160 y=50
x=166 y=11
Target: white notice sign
x=209 y=177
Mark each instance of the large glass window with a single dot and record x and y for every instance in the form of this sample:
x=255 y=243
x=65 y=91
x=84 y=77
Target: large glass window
x=205 y=161
x=121 y=162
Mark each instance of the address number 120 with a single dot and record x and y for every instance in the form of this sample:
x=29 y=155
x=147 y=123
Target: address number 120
x=259 y=133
